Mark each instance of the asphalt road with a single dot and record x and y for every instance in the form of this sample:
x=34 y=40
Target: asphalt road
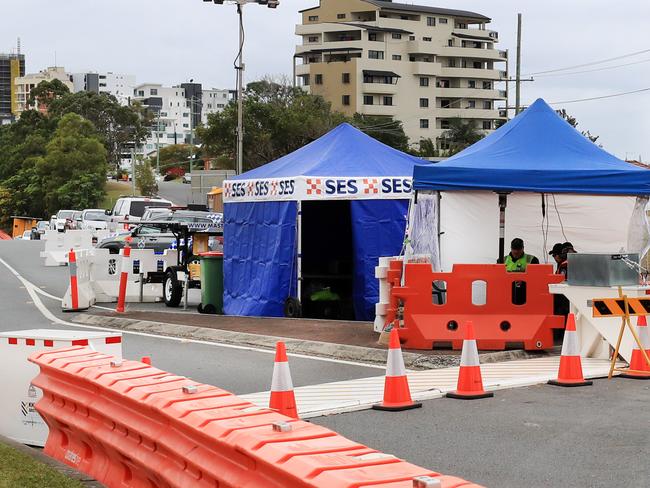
x=175 y=191
x=536 y=437
x=237 y=370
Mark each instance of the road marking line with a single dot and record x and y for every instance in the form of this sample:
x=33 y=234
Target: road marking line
x=33 y=291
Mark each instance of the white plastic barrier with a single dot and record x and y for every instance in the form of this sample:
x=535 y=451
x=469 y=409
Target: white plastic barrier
x=19 y=420
x=85 y=295
x=57 y=245
x=104 y=275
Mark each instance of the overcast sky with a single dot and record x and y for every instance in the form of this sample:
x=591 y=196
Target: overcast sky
x=171 y=41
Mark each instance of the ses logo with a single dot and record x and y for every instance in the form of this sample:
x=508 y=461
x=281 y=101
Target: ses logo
x=361 y=186
x=260 y=188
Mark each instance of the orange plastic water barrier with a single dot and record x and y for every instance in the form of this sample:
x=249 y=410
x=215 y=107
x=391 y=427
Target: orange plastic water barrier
x=128 y=424
x=506 y=308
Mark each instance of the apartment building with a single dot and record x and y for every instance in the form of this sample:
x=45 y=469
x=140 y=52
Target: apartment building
x=24 y=84
x=119 y=85
x=417 y=64
x=214 y=100
x=12 y=66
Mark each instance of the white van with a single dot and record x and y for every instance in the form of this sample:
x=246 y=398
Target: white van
x=132 y=208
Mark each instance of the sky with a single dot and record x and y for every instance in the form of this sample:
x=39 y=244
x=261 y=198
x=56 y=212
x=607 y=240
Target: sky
x=172 y=41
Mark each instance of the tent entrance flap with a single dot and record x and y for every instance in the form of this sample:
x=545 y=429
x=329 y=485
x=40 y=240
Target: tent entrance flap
x=327 y=260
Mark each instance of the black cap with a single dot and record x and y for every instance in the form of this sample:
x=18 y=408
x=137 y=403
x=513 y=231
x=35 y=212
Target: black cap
x=567 y=245
x=557 y=249
x=517 y=243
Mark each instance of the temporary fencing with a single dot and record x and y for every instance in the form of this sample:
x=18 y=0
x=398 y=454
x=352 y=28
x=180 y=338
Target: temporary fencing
x=506 y=308
x=129 y=424
x=57 y=245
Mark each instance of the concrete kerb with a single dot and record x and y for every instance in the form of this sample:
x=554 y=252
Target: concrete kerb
x=39 y=456
x=413 y=361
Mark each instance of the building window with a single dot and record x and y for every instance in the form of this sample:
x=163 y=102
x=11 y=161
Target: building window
x=397 y=57
x=487 y=85
x=372 y=36
x=141 y=93
x=411 y=38
x=396 y=35
x=368 y=100
x=450 y=43
x=445 y=103
x=345 y=78
x=426 y=39
x=424 y=102
x=424 y=81
x=388 y=100
x=471 y=104
x=153 y=91
x=424 y=123
x=487 y=105
x=376 y=54
x=431 y=21
x=340 y=16
x=444 y=124
x=312 y=39
x=442 y=21
x=477 y=65
x=443 y=83
x=220 y=105
x=313 y=18
x=487 y=124
x=471 y=84
x=185 y=114
x=345 y=99
x=186 y=125
x=318 y=79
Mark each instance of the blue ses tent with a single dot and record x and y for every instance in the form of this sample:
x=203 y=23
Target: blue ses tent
x=537 y=178
x=315 y=219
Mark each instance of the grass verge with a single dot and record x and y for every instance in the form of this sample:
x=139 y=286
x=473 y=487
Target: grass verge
x=115 y=189
x=19 y=470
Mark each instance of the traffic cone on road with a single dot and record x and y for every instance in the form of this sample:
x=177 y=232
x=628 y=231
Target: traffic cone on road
x=470 y=381
x=282 y=397
x=397 y=395
x=638 y=364
x=570 y=373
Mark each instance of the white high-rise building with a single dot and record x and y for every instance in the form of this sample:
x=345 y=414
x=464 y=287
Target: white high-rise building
x=214 y=100
x=119 y=85
x=23 y=86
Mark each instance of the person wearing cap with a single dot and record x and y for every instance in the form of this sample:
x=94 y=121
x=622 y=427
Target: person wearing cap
x=556 y=253
x=517 y=261
x=561 y=258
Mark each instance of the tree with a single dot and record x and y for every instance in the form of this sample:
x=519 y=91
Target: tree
x=145 y=179
x=461 y=134
x=46 y=92
x=117 y=125
x=278 y=119
x=574 y=123
x=73 y=171
x=427 y=149
x=175 y=155
x=384 y=129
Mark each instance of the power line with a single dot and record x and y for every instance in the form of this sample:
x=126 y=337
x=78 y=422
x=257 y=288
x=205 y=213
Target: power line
x=594 y=70
x=590 y=64
x=601 y=97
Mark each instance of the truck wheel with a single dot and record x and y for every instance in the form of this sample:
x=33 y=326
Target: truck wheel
x=172 y=289
x=292 y=308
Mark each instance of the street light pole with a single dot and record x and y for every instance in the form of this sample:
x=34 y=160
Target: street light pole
x=158 y=143
x=240 y=94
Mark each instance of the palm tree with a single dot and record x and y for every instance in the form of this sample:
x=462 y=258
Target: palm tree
x=461 y=134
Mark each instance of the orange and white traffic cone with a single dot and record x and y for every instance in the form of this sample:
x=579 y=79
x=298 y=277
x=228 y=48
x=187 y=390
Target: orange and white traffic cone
x=570 y=373
x=282 y=397
x=641 y=370
x=397 y=395
x=470 y=381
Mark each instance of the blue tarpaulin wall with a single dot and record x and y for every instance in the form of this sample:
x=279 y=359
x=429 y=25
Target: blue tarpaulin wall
x=259 y=257
x=377 y=230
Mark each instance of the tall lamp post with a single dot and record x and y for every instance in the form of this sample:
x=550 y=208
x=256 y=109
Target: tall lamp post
x=239 y=67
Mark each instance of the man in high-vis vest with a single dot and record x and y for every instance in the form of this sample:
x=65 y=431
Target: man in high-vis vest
x=517 y=261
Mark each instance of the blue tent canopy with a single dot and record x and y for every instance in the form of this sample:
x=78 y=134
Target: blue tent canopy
x=537 y=151
x=262 y=215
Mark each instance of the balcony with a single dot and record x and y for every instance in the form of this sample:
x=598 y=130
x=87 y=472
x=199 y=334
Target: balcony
x=470 y=52
x=482 y=74
x=471 y=93
x=386 y=110
x=467 y=113
x=379 y=88
x=423 y=47
x=424 y=68
x=302 y=69
x=320 y=28
x=479 y=34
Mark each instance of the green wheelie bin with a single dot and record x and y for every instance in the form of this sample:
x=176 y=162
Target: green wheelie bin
x=211 y=282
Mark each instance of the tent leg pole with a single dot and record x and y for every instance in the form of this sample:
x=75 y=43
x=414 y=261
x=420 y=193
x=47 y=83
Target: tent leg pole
x=299 y=253
x=503 y=203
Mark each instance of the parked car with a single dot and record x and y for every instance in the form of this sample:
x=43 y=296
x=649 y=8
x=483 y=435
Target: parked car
x=26 y=236
x=154 y=213
x=94 y=219
x=132 y=208
x=155 y=236
x=187 y=178
x=64 y=219
x=76 y=220
x=38 y=231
